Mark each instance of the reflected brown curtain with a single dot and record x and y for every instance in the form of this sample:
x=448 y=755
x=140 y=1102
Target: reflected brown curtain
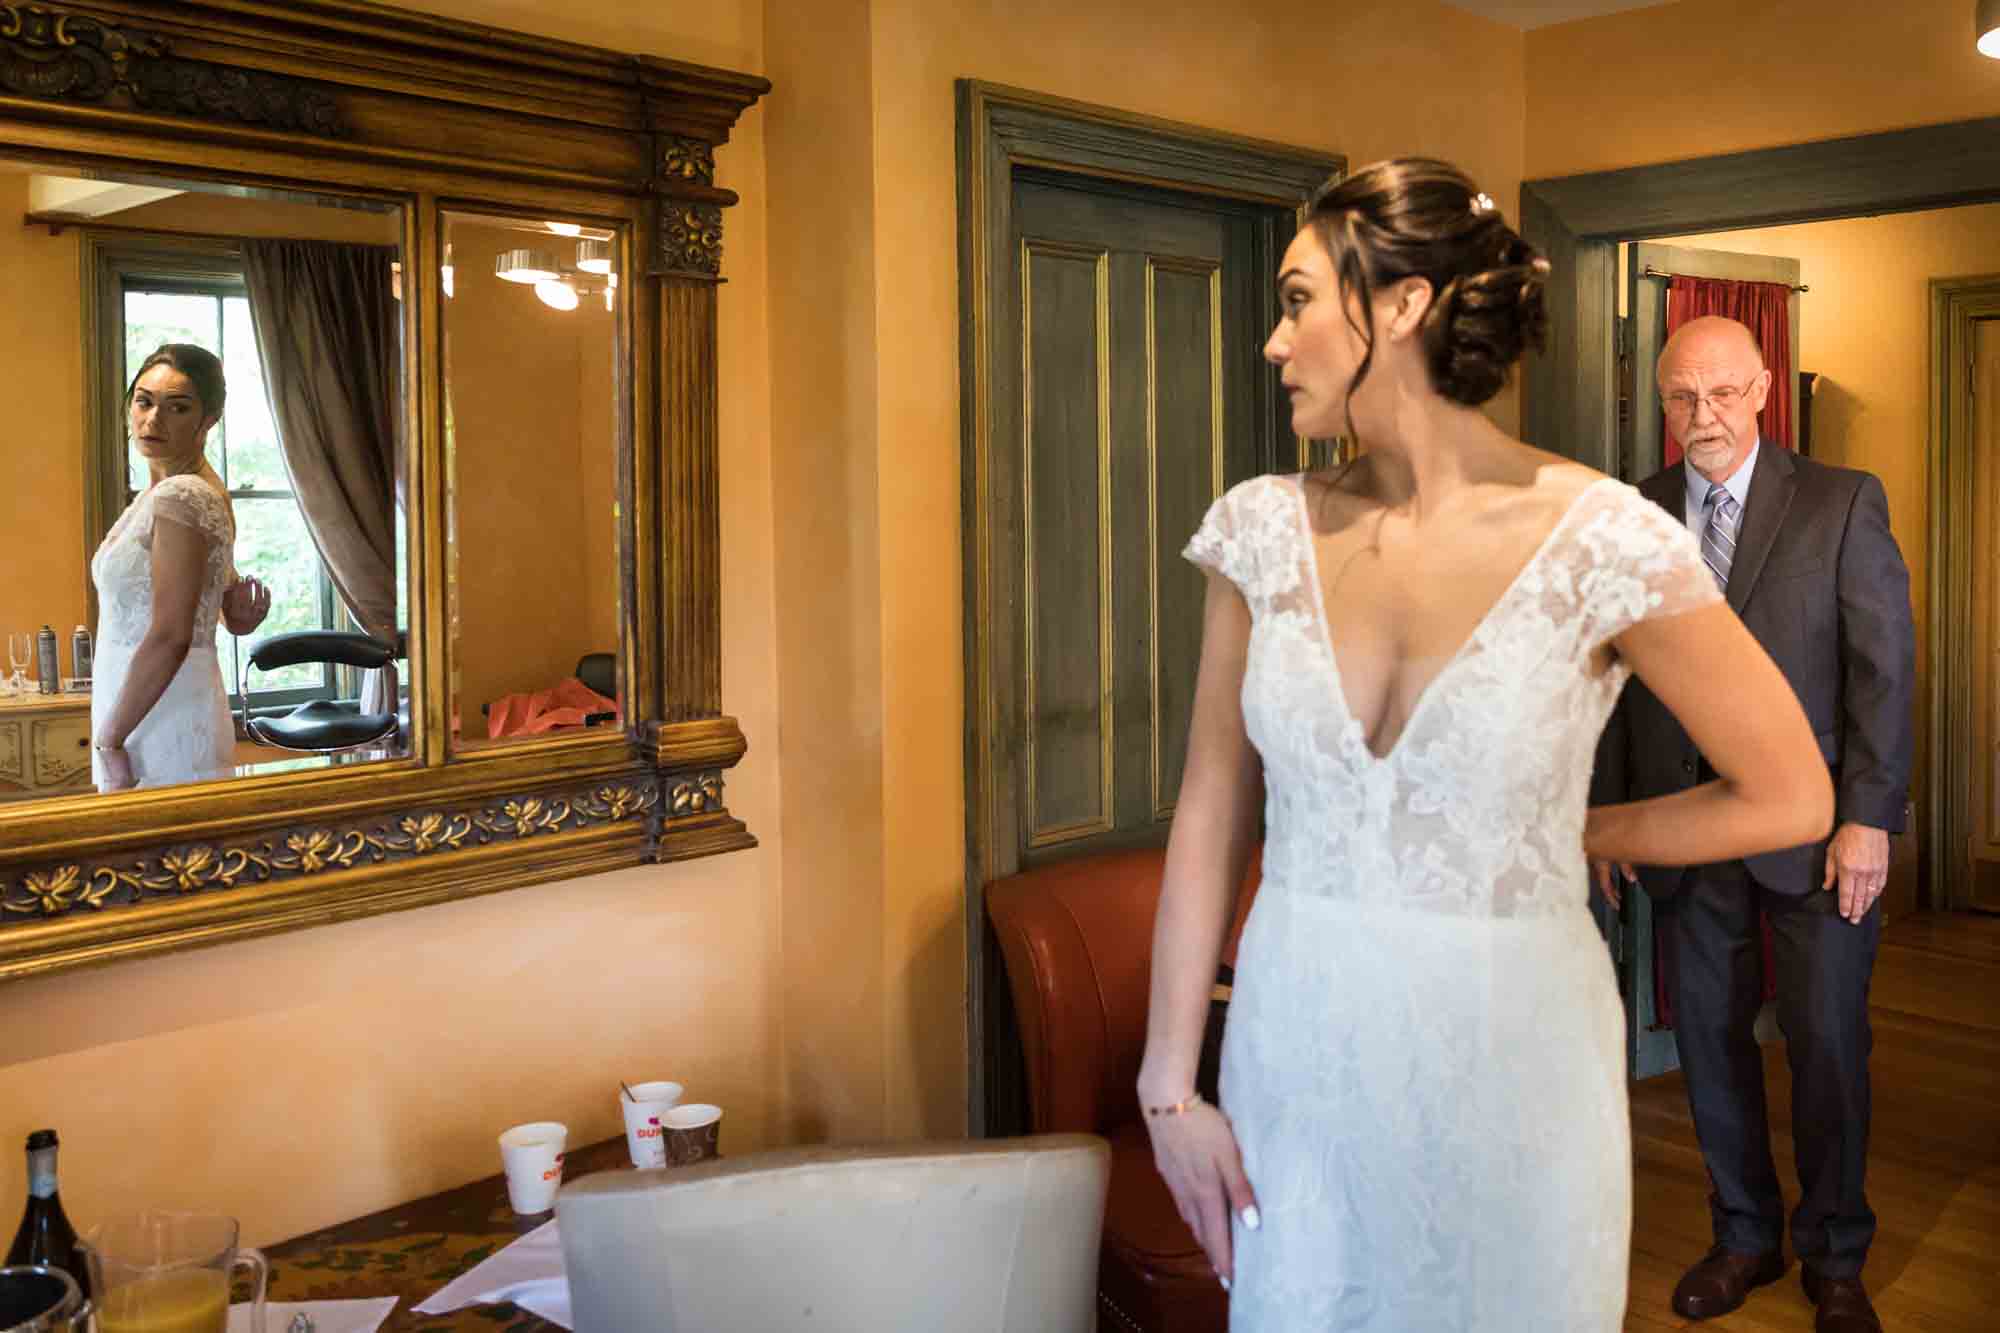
x=329 y=336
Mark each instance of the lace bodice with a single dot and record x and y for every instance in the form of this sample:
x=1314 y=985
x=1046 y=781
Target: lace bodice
x=123 y=566
x=1478 y=809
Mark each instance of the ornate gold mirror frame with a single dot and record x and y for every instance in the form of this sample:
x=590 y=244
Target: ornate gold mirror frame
x=362 y=99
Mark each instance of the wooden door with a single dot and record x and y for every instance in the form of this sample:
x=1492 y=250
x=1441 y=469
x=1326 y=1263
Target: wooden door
x=1137 y=328
x=1132 y=393
x=1985 y=740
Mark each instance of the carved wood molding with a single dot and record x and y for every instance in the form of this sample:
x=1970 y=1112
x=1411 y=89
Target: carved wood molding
x=64 y=56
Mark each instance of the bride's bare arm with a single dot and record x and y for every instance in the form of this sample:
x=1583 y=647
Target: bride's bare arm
x=180 y=558
x=1208 y=851
x=1772 y=788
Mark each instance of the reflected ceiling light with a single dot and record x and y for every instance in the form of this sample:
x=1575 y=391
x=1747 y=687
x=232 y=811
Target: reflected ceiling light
x=527 y=266
x=565 y=228
x=593 y=256
x=556 y=295
x=445 y=272
x=1986 y=24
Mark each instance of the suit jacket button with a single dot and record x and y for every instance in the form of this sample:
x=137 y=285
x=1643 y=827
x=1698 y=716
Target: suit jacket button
x=1687 y=767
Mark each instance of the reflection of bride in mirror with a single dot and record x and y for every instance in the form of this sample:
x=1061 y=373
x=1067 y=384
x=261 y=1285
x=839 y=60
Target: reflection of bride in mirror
x=165 y=573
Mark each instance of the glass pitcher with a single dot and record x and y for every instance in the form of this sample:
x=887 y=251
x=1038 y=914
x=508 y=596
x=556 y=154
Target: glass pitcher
x=162 y=1272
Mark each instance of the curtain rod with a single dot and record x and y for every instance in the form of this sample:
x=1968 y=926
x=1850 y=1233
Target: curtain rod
x=1652 y=272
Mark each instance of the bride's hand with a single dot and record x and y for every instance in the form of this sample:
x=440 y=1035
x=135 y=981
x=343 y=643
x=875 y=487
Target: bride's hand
x=117 y=765
x=245 y=603
x=1195 y=1151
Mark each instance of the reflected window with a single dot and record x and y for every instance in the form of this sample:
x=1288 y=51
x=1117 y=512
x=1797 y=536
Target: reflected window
x=212 y=310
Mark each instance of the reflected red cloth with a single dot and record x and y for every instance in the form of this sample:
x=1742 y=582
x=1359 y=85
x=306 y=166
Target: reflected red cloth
x=1766 y=308
x=566 y=704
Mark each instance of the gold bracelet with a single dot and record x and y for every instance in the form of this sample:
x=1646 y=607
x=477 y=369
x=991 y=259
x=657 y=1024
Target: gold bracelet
x=1181 y=1107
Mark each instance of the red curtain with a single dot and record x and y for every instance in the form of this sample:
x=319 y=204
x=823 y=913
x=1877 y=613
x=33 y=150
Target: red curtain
x=1766 y=309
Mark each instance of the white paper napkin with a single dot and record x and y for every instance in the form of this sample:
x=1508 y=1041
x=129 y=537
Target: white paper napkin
x=327 y=1316
x=529 y=1273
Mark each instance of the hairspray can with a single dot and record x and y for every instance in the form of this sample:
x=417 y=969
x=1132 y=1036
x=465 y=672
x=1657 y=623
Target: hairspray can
x=46 y=665
x=80 y=653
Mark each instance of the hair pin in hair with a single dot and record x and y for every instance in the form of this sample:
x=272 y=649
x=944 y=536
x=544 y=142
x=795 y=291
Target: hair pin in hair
x=1482 y=204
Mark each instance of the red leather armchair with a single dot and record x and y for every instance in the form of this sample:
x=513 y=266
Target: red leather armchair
x=1078 y=937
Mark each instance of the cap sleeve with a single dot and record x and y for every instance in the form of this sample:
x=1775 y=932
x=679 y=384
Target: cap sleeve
x=1644 y=564
x=193 y=503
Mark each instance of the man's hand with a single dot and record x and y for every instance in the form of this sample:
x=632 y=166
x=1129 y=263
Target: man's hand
x=245 y=603
x=1609 y=876
x=1857 y=860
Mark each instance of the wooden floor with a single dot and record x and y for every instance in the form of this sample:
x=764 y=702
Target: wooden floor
x=1933 y=1156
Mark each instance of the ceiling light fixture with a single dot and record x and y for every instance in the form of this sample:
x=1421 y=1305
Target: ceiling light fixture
x=593 y=256
x=527 y=266
x=1986 y=27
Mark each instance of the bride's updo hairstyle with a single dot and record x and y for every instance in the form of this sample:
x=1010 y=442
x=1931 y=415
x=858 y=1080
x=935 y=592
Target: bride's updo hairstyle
x=1417 y=217
x=202 y=367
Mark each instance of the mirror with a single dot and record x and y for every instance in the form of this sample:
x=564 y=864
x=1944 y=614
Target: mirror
x=292 y=301
x=532 y=427
x=488 y=495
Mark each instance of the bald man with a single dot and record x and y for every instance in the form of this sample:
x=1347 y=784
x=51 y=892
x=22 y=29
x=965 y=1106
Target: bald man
x=1804 y=554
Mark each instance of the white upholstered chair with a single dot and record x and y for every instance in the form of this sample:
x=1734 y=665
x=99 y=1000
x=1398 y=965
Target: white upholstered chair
x=996 y=1236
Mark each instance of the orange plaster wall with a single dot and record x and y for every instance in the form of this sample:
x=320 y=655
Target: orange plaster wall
x=1717 y=76
x=41 y=470
x=321 y=1074
x=1329 y=77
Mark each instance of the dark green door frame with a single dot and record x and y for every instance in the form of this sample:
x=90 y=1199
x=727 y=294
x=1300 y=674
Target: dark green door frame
x=1571 y=404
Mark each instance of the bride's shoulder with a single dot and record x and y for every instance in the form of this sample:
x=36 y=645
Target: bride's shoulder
x=191 y=500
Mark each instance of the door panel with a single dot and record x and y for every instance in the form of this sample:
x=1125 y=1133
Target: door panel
x=1140 y=338
x=1066 y=642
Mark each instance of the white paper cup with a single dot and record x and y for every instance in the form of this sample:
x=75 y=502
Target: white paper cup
x=643 y=1109
x=533 y=1157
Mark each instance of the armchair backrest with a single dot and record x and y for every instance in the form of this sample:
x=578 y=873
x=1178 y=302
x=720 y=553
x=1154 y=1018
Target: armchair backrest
x=998 y=1236
x=1078 y=939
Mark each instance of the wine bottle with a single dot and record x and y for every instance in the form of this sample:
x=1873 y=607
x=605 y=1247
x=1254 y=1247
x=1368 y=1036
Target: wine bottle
x=45 y=1235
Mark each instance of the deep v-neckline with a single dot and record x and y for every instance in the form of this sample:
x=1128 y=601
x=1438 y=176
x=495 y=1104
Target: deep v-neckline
x=1354 y=725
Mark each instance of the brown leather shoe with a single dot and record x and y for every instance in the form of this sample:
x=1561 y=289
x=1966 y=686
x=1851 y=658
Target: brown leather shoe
x=1721 y=1281
x=1843 y=1304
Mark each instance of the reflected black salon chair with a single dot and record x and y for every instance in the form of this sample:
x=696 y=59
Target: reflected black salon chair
x=318 y=726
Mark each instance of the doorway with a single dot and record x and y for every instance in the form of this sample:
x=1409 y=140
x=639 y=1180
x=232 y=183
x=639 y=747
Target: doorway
x=1573 y=402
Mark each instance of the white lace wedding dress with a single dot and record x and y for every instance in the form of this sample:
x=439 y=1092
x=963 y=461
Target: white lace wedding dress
x=188 y=735
x=1424 y=1057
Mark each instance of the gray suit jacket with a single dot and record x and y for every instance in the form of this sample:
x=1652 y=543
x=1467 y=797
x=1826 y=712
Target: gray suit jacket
x=1819 y=581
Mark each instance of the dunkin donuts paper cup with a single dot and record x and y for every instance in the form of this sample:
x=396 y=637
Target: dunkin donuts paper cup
x=643 y=1109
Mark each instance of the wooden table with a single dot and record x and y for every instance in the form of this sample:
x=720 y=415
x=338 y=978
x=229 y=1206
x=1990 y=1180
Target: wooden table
x=411 y=1251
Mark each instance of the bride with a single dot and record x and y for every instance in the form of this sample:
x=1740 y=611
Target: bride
x=1406 y=663
x=164 y=573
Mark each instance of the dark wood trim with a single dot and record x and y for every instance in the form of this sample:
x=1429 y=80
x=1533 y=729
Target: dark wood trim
x=1000 y=130
x=1579 y=221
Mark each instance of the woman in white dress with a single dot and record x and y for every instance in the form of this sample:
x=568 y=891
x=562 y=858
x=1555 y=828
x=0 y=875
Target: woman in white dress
x=159 y=710
x=1423 y=1121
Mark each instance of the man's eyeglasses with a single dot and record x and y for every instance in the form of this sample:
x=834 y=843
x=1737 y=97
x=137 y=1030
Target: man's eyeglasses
x=1682 y=403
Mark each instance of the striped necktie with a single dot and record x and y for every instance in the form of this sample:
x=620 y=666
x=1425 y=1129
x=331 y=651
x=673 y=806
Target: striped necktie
x=1718 y=538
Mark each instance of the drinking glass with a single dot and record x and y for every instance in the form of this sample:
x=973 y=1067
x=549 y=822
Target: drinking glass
x=20 y=652
x=162 y=1272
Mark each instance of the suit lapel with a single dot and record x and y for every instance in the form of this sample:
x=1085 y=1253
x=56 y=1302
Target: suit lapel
x=1771 y=488
x=1668 y=490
